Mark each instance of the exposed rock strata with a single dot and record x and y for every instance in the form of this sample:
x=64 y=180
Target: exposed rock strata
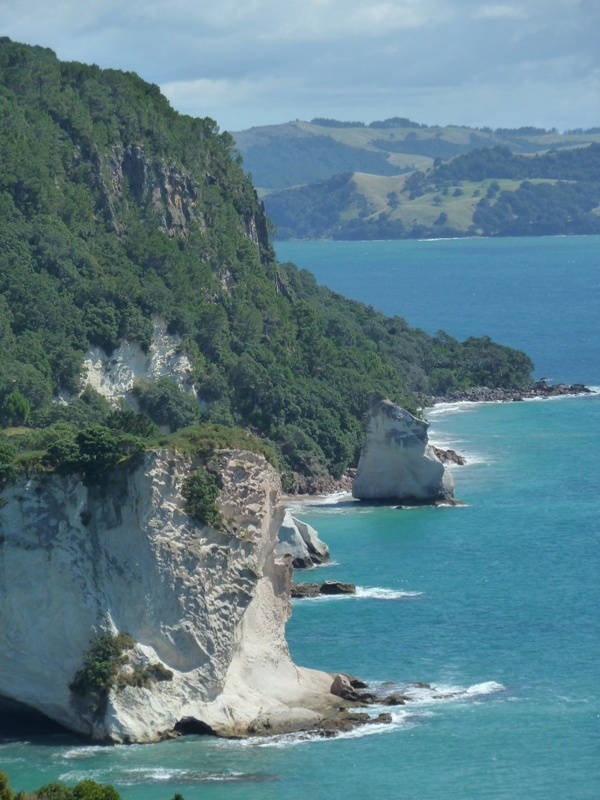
x=301 y=542
x=209 y=606
x=397 y=463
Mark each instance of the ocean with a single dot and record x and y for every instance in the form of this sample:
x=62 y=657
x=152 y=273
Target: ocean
x=495 y=603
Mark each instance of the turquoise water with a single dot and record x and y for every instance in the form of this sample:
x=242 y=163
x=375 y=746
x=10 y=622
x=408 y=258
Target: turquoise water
x=500 y=598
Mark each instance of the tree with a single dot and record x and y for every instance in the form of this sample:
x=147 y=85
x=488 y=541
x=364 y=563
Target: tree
x=15 y=409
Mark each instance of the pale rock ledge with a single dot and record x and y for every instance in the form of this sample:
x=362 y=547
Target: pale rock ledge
x=397 y=463
x=210 y=606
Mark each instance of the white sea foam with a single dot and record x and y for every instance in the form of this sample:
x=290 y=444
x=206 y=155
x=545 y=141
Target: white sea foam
x=82 y=752
x=318 y=501
x=425 y=695
x=378 y=593
x=595 y=391
x=459 y=407
x=100 y=775
x=143 y=775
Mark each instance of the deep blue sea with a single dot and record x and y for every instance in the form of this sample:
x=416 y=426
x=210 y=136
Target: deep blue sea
x=498 y=599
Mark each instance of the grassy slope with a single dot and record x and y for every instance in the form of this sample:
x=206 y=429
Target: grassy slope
x=426 y=209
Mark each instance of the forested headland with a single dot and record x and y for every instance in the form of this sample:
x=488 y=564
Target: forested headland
x=116 y=210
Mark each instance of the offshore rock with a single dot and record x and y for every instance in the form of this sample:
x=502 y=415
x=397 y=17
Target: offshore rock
x=397 y=463
x=207 y=605
x=301 y=542
x=304 y=590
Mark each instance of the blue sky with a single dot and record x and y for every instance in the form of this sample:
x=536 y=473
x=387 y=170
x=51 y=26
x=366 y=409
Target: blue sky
x=258 y=62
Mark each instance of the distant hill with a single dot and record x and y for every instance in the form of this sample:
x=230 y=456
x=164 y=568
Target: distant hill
x=489 y=192
x=399 y=179
x=279 y=156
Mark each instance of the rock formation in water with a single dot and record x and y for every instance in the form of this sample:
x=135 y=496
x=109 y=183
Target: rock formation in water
x=396 y=462
x=301 y=542
x=204 y=609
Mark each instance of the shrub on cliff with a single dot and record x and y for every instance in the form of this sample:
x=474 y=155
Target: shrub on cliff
x=200 y=490
x=101 y=664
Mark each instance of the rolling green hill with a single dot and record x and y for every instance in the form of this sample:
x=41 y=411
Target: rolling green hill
x=488 y=191
x=115 y=211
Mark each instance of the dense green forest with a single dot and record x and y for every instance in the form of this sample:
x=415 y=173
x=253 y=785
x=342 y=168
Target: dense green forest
x=488 y=191
x=116 y=210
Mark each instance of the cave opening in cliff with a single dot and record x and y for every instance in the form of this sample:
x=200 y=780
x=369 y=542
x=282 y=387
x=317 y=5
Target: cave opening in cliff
x=189 y=725
x=18 y=720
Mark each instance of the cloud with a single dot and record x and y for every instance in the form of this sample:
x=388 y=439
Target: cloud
x=500 y=12
x=242 y=60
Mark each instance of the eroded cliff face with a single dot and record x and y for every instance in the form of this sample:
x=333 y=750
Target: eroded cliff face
x=209 y=606
x=397 y=463
x=115 y=375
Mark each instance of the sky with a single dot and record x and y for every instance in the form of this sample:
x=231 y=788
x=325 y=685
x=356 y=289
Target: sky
x=247 y=63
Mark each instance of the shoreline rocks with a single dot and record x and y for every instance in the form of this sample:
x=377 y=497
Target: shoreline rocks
x=483 y=394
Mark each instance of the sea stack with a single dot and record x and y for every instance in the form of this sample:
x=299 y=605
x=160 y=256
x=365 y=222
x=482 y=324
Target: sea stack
x=397 y=464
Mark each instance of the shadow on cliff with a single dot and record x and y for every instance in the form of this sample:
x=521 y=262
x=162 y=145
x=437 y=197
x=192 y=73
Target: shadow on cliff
x=18 y=721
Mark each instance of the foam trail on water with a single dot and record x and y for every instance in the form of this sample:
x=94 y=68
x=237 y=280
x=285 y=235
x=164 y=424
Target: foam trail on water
x=378 y=593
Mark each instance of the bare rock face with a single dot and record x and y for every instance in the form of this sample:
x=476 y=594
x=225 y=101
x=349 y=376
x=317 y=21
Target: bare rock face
x=397 y=463
x=301 y=542
x=114 y=376
x=205 y=608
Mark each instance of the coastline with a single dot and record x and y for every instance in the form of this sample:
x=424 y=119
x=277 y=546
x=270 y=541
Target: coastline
x=539 y=390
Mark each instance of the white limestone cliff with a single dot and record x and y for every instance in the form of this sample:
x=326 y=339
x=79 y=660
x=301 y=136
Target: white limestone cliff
x=209 y=606
x=396 y=462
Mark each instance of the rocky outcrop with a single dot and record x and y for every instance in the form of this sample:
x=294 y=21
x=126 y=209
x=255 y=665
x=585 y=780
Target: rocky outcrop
x=301 y=542
x=205 y=608
x=114 y=376
x=448 y=456
x=397 y=463
x=305 y=590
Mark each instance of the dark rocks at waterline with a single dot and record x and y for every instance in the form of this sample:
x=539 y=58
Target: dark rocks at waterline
x=303 y=590
x=482 y=394
x=448 y=456
x=395 y=700
x=348 y=721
